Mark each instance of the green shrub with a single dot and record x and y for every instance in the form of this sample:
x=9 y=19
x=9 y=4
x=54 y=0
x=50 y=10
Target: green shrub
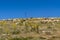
x=15 y=39
x=15 y=32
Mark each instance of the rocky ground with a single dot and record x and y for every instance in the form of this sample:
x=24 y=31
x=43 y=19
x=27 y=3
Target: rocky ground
x=30 y=29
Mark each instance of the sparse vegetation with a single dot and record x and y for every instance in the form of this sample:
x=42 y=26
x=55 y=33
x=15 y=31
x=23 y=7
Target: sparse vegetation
x=30 y=29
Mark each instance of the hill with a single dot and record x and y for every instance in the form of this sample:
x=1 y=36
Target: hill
x=30 y=29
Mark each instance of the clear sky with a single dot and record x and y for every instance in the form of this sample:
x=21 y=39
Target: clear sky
x=29 y=8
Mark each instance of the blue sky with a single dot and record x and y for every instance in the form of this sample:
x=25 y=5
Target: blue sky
x=29 y=8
